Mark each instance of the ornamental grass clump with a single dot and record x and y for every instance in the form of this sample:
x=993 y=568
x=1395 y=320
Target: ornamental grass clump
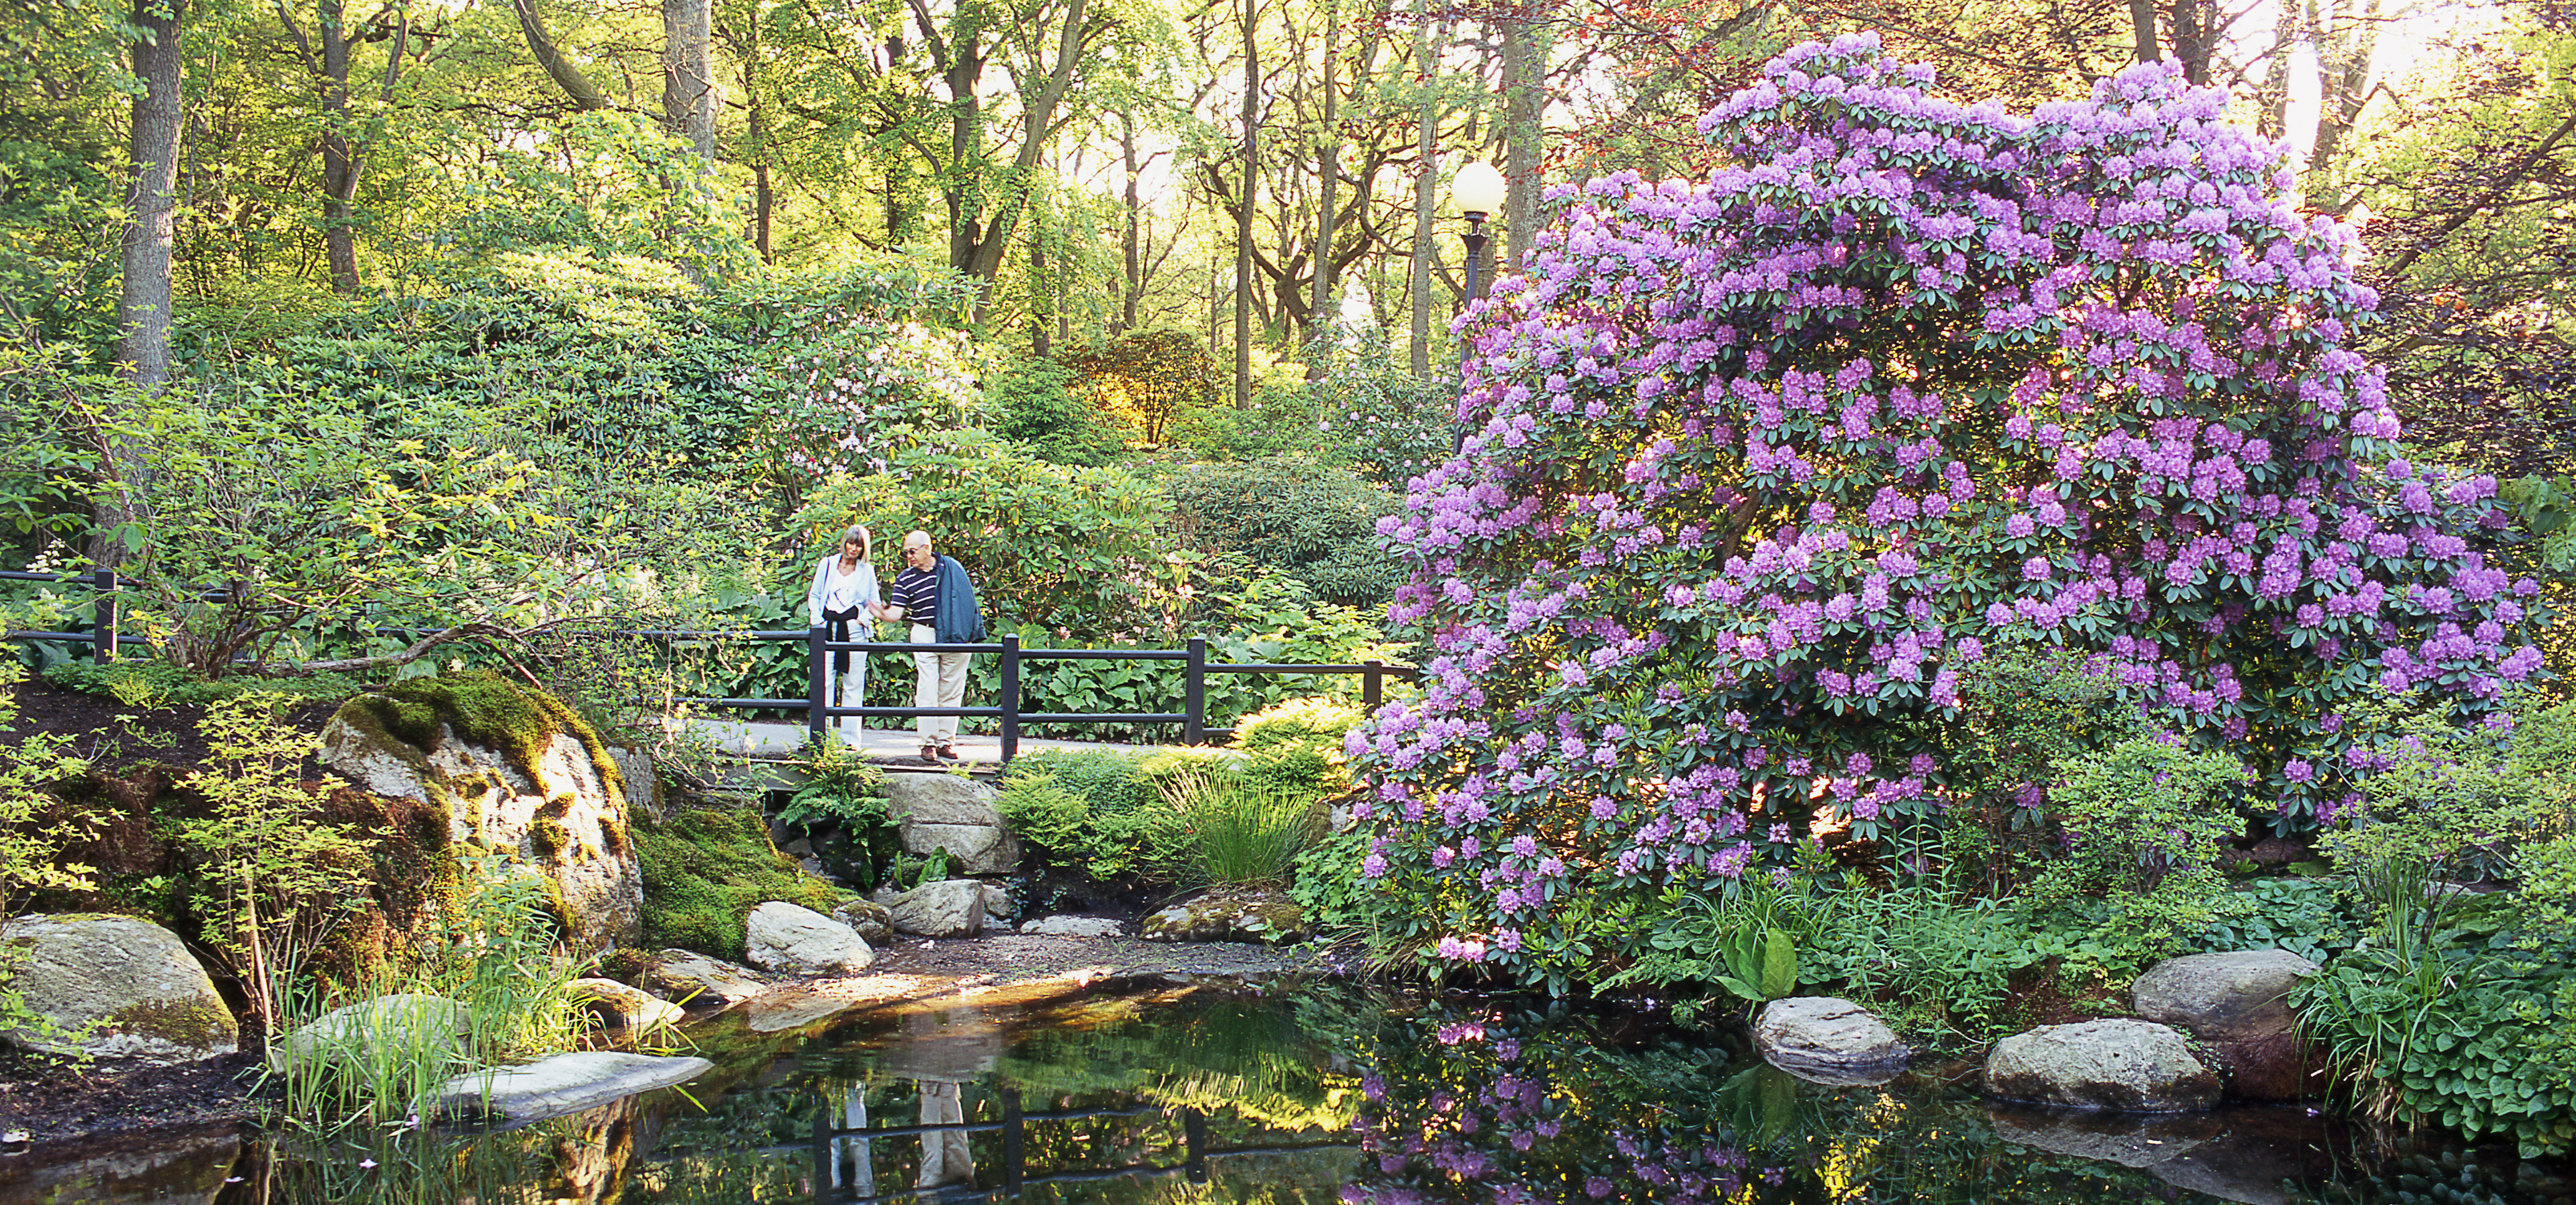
x=1755 y=467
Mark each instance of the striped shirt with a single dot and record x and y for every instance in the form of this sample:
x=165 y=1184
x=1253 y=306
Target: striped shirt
x=917 y=592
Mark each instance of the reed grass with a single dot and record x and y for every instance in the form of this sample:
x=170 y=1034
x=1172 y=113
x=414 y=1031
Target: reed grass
x=493 y=956
x=1242 y=831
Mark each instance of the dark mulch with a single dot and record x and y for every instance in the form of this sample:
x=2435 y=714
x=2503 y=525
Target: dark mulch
x=113 y=735
x=53 y=1102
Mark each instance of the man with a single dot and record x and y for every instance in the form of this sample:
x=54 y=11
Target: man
x=933 y=594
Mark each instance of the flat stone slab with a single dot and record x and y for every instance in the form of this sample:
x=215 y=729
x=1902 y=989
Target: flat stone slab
x=552 y=1087
x=2223 y=997
x=1830 y=1040
x=1074 y=926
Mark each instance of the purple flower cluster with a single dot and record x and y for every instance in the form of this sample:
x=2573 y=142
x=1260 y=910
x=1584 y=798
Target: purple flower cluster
x=1752 y=466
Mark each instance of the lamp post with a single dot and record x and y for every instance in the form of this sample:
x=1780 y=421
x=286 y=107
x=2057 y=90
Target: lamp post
x=1479 y=193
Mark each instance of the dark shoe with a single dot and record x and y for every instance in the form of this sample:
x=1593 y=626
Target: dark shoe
x=949 y=753
x=930 y=754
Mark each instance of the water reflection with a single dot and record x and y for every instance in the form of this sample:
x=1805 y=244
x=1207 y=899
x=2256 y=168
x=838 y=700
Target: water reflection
x=1182 y=1096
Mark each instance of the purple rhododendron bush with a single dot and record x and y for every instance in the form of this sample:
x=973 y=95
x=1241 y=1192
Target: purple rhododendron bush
x=1755 y=468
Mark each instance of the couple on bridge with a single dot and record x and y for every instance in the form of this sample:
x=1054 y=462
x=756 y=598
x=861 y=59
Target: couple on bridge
x=934 y=593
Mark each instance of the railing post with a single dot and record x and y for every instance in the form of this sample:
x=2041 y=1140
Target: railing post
x=1015 y=1156
x=818 y=686
x=1010 y=700
x=103 y=614
x=1373 y=683
x=1194 y=694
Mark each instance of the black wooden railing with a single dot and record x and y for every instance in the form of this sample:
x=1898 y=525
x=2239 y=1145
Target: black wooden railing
x=819 y=648
x=1005 y=709
x=102 y=631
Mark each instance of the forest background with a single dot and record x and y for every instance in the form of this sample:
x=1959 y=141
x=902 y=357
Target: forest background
x=502 y=317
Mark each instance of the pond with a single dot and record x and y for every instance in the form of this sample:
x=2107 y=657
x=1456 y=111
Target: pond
x=1182 y=1094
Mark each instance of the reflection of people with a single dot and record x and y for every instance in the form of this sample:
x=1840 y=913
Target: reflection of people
x=945 y=1158
x=934 y=594
x=845 y=596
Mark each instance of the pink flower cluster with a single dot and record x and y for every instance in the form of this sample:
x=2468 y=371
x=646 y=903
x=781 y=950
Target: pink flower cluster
x=1754 y=466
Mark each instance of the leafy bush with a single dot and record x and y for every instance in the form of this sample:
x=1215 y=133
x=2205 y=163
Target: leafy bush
x=1314 y=522
x=1095 y=811
x=2143 y=815
x=1280 y=421
x=1034 y=403
x=1756 y=467
x=1297 y=745
x=1391 y=425
x=2481 y=1040
x=1147 y=378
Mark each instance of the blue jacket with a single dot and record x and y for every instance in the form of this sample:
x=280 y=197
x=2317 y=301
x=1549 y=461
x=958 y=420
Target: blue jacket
x=960 y=620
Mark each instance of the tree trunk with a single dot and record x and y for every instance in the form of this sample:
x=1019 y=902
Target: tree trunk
x=1524 y=102
x=1328 y=173
x=1243 y=211
x=143 y=300
x=584 y=95
x=340 y=164
x=1039 y=309
x=1426 y=177
x=688 y=75
x=1132 y=284
x=2142 y=27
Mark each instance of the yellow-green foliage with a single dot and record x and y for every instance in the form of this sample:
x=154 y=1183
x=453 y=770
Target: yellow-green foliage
x=1297 y=745
x=705 y=869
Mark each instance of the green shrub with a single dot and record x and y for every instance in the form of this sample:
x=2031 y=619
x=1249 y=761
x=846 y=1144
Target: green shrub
x=1330 y=886
x=1297 y=745
x=2140 y=814
x=1313 y=521
x=1096 y=811
x=705 y=869
x=1035 y=403
x=1390 y=425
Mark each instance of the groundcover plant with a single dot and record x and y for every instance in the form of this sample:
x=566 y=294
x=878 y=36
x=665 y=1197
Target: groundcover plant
x=1755 y=466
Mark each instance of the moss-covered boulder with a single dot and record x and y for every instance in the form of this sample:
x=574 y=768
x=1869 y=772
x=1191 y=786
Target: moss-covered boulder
x=512 y=770
x=1230 y=914
x=705 y=869
x=114 y=987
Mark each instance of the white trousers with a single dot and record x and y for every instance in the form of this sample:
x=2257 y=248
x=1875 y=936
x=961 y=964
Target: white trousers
x=942 y=684
x=853 y=693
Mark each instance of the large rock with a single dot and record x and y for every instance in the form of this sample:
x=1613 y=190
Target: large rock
x=540 y=786
x=971 y=848
x=941 y=799
x=2223 y=997
x=135 y=987
x=1230 y=915
x=790 y=940
x=952 y=812
x=2123 y=1065
x=552 y=1087
x=949 y=908
x=872 y=921
x=345 y=1034
x=621 y=1007
x=2238 y=1005
x=1822 y=1037
x=696 y=979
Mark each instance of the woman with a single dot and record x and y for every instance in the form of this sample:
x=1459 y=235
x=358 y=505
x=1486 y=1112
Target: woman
x=845 y=596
